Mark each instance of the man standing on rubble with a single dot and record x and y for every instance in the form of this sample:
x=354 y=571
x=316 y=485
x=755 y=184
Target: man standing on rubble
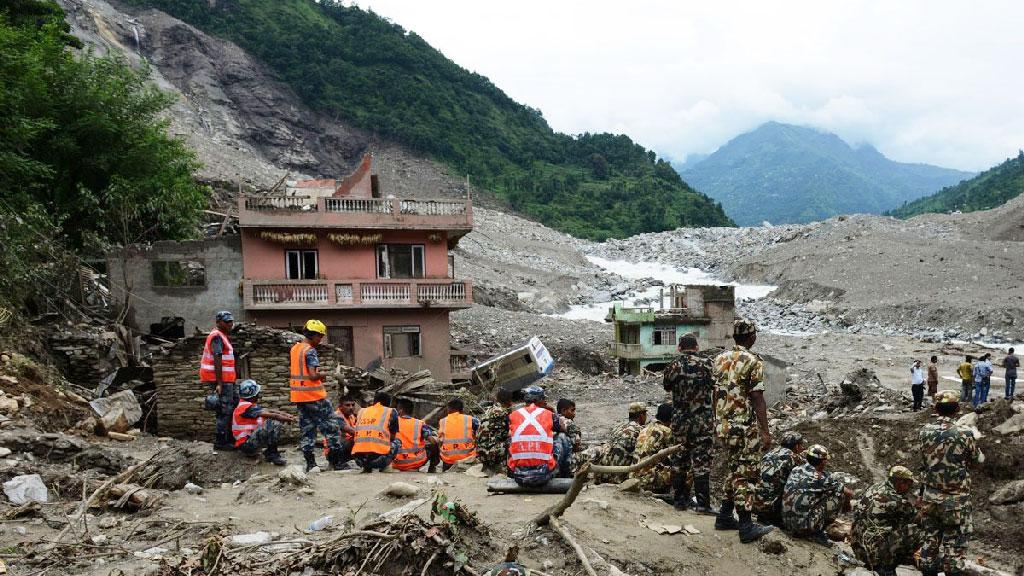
x=966 y=373
x=813 y=498
x=217 y=371
x=307 y=392
x=689 y=379
x=948 y=451
x=492 y=441
x=884 y=533
x=776 y=466
x=621 y=445
x=1010 y=363
x=743 y=429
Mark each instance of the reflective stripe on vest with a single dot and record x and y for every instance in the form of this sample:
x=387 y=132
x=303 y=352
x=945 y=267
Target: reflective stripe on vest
x=531 y=438
x=302 y=387
x=372 y=434
x=412 y=455
x=242 y=427
x=456 y=435
x=207 y=369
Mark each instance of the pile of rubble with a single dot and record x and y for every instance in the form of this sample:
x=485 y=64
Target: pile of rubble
x=859 y=393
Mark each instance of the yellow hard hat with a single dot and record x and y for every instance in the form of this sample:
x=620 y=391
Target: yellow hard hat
x=316 y=326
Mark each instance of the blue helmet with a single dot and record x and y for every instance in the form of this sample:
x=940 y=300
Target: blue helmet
x=225 y=316
x=249 y=389
x=533 y=393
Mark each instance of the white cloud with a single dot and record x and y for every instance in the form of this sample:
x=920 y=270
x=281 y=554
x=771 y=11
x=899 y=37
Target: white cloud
x=926 y=81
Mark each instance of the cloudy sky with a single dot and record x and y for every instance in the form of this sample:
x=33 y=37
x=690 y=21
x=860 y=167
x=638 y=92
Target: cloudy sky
x=937 y=81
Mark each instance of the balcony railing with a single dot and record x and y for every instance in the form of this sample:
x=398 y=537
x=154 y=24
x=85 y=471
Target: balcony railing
x=642 y=351
x=332 y=212
x=414 y=293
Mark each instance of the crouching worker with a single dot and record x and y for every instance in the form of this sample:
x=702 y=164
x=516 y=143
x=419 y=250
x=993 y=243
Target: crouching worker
x=457 y=434
x=533 y=455
x=813 y=498
x=254 y=427
x=418 y=441
x=376 y=442
x=345 y=415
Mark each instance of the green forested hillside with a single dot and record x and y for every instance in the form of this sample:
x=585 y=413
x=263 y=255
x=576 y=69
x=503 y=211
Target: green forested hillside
x=376 y=75
x=784 y=173
x=989 y=189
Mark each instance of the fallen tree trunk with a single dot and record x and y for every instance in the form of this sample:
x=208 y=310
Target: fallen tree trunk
x=587 y=567
x=508 y=485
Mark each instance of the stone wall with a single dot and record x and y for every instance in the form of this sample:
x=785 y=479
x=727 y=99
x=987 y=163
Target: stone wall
x=263 y=356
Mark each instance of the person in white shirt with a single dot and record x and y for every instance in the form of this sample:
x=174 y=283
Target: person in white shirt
x=917 y=384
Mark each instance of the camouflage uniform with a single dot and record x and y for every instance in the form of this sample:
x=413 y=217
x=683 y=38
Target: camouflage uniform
x=318 y=415
x=776 y=465
x=492 y=438
x=737 y=373
x=265 y=436
x=618 y=451
x=811 y=501
x=947 y=450
x=884 y=533
x=688 y=378
x=653 y=438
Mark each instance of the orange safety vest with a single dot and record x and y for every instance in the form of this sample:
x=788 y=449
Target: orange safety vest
x=532 y=439
x=242 y=427
x=456 y=435
x=207 y=372
x=302 y=388
x=341 y=434
x=413 y=454
x=372 y=434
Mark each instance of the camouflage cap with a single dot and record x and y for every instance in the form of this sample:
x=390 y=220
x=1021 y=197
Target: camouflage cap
x=817 y=451
x=637 y=408
x=791 y=438
x=901 y=473
x=947 y=397
x=742 y=327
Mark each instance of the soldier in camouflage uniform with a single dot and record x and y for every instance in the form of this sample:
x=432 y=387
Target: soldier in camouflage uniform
x=742 y=426
x=884 y=533
x=572 y=437
x=492 y=436
x=947 y=451
x=618 y=451
x=812 y=498
x=653 y=438
x=776 y=465
x=688 y=379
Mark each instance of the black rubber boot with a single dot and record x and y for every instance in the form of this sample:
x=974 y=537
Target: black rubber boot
x=702 y=491
x=274 y=457
x=681 y=493
x=725 y=520
x=310 y=460
x=334 y=459
x=749 y=530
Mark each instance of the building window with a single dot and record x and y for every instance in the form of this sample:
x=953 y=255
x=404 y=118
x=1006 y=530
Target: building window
x=301 y=264
x=401 y=341
x=664 y=336
x=400 y=261
x=179 y=273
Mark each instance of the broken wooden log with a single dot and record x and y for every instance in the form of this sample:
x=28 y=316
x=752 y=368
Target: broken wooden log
x=509 y=486
x=561 y=531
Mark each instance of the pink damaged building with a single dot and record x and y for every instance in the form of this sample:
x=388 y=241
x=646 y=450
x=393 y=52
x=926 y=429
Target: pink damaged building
x=377 y=271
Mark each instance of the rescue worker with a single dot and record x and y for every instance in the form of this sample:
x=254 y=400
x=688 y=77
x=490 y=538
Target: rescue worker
x=533 y=455
x=377 y=440
x=217 y=372
x=813 y=498
x=885 y=533
x=653 y=438
x=457 y=434
x=345 y=415
x=254 y=427
x=618 y=451
x=419 y=442
x=492 y=438
x=948 y=451
x=743 y=429
x=308 y=394
x=572 y=437
x=689 y=379
x=776 y=465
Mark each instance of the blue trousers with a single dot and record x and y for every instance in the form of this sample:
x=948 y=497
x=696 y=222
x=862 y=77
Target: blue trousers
x=540 y=475
x=378 y=461
x=981 y=392
x=1011 y=387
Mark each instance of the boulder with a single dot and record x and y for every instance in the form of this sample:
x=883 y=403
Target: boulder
x=401 y=490
x=117 y=412
x=1012 y=425
x=293 y=475
x=24 y=489
x=1008 y=493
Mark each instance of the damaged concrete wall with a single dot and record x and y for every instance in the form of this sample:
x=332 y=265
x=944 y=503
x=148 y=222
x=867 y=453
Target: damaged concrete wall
x=131 y=270
x=774 y=379
x=263 y=356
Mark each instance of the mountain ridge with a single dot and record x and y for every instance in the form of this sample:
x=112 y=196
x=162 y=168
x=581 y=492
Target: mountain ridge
x=993 y=187
x=808 y=174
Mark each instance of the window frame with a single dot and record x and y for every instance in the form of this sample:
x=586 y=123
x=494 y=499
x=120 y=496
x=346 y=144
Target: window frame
x=300 y=255
x=658 y=334
x=389 y=331
x=417 y=264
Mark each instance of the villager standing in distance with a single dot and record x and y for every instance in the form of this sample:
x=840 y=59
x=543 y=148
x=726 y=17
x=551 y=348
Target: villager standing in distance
x=307 y=392
x=966 y=373
x=982 y=375
x=689 y=379
x=1010 y=363
x=917 y=384
x=217 y=371
x=742 y=427
x=933 y=376
x=948 y=450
